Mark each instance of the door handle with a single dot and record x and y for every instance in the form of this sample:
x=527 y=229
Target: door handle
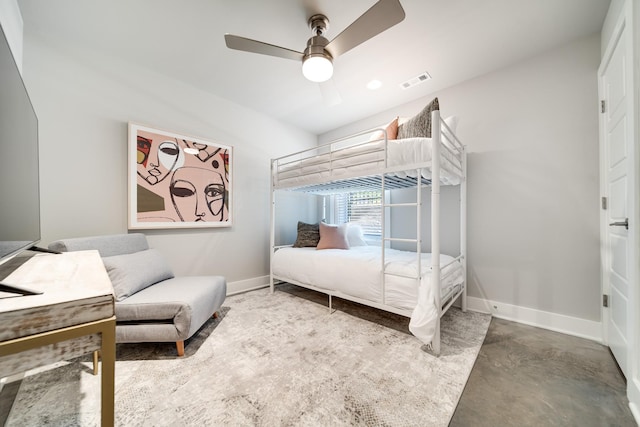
x=624 y=223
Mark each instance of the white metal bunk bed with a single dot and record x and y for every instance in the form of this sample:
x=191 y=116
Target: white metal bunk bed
x=386 y=165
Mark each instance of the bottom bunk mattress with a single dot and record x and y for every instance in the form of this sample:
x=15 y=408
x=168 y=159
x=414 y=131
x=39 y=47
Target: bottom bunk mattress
x=358 y=272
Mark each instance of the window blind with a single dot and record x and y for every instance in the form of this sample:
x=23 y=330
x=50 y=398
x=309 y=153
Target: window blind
x=363 y=207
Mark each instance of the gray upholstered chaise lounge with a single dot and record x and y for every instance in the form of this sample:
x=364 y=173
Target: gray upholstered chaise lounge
x=151 y=304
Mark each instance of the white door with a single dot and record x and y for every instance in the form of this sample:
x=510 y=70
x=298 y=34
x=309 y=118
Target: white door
x=617 y=186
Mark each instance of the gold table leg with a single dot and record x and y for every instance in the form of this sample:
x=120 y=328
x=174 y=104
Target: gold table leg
x=105 y=327
x=108 y=353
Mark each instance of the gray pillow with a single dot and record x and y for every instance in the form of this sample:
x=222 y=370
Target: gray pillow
x=308 y=235
x=131 y=273
x=419 y=126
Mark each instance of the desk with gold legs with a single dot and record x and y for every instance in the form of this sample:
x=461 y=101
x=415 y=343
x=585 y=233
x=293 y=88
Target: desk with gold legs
x=73 y=316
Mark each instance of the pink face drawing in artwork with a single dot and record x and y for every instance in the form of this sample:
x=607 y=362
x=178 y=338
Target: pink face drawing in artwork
x=198 y=194
x=157 y=160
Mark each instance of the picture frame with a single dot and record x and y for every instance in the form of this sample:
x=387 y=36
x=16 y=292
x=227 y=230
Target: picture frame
x=177 y=181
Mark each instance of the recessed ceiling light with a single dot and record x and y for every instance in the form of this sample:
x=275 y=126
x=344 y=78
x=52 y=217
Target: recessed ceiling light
x=374 y=84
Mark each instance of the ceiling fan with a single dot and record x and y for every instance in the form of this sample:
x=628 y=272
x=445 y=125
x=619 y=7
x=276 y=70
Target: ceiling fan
x=317 y=58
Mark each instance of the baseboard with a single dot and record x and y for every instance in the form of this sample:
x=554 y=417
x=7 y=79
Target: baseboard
x=10 y=379
x=246 y=285
x=542 y=319
x=633 y=393
x=635 y=411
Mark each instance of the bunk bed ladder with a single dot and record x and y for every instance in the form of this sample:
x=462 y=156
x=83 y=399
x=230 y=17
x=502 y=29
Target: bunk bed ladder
x=417 y=240
x=435 y=226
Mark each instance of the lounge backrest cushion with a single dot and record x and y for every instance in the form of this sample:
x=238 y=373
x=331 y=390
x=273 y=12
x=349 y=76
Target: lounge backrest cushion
x=109 y=245
x=130 y=273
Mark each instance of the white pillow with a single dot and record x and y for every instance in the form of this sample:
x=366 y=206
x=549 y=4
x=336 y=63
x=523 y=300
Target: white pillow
x=452 y=122
x=355 y=236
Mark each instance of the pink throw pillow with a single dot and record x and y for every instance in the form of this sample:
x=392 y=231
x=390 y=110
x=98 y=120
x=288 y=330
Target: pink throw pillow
x=392 y=131
x=333 y=236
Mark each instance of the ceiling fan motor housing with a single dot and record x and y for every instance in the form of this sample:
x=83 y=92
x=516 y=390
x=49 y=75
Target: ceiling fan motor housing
x=315 y=47
x=317 y=62
x=319 y=24
x=316 y=44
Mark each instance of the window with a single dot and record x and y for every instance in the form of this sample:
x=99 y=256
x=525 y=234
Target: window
x=363 y=207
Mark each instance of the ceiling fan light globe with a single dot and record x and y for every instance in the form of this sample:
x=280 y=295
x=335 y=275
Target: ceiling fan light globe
x=317 y=68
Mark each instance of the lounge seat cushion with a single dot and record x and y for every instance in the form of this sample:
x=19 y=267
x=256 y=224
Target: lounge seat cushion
x=184 y=303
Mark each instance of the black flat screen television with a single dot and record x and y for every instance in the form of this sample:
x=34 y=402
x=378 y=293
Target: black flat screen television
x=19 y=177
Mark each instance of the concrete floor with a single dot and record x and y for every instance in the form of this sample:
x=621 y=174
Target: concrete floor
x=526 y=376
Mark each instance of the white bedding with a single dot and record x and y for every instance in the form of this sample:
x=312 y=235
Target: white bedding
x=357 y=272
x=368 y=157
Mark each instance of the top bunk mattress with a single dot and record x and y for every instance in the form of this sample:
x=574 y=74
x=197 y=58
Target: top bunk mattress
x=399 y=155
x=403 y=159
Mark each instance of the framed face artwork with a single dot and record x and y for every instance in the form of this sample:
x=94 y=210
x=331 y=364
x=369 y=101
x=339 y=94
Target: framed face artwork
x=178 y=181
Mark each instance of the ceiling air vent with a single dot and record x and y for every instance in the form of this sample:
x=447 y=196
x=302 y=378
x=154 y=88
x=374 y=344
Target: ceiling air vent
x=415 y=80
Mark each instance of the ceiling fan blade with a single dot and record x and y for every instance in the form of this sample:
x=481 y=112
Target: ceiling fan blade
x=380 y=17
x=254 y=46
x=330 y=94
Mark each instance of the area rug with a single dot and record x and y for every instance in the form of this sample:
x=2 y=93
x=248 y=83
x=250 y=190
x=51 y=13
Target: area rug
x=278 y=359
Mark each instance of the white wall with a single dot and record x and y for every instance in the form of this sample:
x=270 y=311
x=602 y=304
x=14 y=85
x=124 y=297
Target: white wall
x=291 y=207
x=84 y=102
x=532 y=134
x=12 y=25
x=403 y=219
